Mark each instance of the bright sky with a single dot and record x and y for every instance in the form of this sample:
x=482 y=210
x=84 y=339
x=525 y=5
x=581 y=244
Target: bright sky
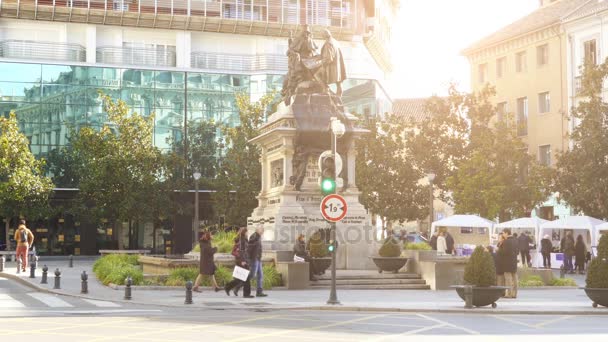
x=430 y=34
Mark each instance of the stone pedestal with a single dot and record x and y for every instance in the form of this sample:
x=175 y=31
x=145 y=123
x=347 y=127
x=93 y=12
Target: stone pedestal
x=284 y=211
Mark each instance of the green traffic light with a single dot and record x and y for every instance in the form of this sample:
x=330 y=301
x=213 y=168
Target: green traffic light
x=328 y=185
x=331 y=246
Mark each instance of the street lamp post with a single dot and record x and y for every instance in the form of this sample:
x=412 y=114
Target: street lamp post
x=197 y=176
x=337 y=130
x=431 y=178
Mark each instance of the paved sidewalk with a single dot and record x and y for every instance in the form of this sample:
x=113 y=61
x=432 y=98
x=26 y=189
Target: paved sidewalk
x=530 y=301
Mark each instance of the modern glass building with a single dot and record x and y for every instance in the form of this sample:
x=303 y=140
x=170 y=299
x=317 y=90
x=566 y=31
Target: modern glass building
x=184 y=61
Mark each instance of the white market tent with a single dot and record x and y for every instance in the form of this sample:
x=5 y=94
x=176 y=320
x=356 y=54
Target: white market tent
x=525 y=224
x=472 y=221
x=598 y=232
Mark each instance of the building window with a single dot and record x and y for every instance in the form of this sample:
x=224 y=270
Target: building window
x=520 y=62
x=544 y=102
x=590 y=51
x=544 y=155
x=483 y=70
x=501 y=111
x=501 y=66
x=522 y=116
x=542 y=55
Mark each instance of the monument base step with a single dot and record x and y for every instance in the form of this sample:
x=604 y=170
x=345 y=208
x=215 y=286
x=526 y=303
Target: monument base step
x=372 y=280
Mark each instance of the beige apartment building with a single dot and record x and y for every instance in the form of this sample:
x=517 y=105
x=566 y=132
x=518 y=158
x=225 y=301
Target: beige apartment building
x=526 y=62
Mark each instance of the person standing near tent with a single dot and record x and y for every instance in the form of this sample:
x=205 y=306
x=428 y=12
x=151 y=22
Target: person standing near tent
x=442 y=245
x=580 y=254
x=449 y=240
x=545 y=249
x=567 y=247
x=524 y=249
x=507 y=257
x=433 y=241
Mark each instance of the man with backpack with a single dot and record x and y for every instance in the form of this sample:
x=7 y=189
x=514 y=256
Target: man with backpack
x=25 y=240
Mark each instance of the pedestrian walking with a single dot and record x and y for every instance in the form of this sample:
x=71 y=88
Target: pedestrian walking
x=442 y=245
x=206 y=265
x=507 y=256
x=567 y=248
x=580 y=254
x=524 y=242
x=299 y=250
x=25 y=240
x=240 y=254
x=546 y=248
x=500 y=273
x=254 y=249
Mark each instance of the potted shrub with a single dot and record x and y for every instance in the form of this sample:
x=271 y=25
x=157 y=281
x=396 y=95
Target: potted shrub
x=480 y=273
x=389 y=258
x=318 y=249
x=597 y=275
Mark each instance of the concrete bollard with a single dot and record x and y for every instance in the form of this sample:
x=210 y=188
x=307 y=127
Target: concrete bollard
x=188 y=292
x=45 y=272
x=18 y=265
x=71 y=261
x=562 y=271
x=33 y=270
x=57 y=279
x=84 y=285
x=128 y=283
x=468 y=297
x=2 y=263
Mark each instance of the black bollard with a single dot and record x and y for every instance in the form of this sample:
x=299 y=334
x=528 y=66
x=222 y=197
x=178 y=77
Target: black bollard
x=18 y=265
x=71 y=261
x=84 y=286
x=188 y=292
x=33 y=270
x=128 y=283
x=57 y=279
x=2 y=263
x=45 y=272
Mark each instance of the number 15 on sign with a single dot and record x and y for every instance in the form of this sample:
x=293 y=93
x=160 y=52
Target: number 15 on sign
x=333 y=208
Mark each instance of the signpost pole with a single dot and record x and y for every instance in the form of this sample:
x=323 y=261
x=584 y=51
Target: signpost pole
x=333 y=296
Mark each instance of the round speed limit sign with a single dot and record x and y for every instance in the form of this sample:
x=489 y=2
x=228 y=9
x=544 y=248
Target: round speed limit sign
x=333 y=208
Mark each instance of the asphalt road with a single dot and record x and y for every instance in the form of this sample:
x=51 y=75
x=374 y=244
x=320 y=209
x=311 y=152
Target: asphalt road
x=33 y=316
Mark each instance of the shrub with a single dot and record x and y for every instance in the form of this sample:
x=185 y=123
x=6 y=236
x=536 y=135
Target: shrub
x=597 y=273
x=418 y=246
x=272 y=278
x=531 y=281
x=222 y=240
x=563 y=282
x=317 y=246
x=480 y=270
x=179 y=276
x=115 y=268
x=390 y=248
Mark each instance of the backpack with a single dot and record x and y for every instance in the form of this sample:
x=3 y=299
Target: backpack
x=23 y=236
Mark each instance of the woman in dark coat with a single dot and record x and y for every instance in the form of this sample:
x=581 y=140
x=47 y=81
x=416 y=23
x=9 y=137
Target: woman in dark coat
x=299 y=249
x=580 y=253
x=206 y=264
x=240 y=254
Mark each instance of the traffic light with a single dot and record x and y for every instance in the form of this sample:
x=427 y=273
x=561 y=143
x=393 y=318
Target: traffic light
x=328 y=176
x=332 y=246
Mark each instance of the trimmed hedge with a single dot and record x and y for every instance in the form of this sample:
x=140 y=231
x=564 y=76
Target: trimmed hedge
x=115 y=268
x=563 y=282
x=480 y=270
x=417 y=246
x=597 y=273
x=531 y=281
x=390 y=248
x=317 y=246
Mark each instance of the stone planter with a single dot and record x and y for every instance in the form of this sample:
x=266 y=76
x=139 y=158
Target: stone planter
x=389 y=264
x=597 y=296
x=320 y=265
x=164 y=265
x=483 y=296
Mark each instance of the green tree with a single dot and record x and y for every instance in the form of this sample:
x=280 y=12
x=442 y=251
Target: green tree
x=497 y=177
x=385 y=173
x=239 y=177
x=582 y=179
x=24 y=190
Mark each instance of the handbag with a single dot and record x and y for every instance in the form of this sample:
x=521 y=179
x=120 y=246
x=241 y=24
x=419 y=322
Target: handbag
x=235 y=250
x=240 y=273
x=298 y=259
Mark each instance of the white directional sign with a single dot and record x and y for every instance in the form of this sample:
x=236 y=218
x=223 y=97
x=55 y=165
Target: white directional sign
x=333 y=208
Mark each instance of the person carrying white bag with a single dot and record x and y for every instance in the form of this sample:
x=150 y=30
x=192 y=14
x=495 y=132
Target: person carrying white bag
x=241 y=269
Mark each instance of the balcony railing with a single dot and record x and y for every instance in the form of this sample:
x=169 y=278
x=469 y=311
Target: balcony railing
x=26 y=49
x=337 y=14
x=243 y=63
x=164 y=57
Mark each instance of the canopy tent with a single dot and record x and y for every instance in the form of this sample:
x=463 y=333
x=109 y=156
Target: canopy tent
x=464 y=221
x=598 y=232
x=524 y=223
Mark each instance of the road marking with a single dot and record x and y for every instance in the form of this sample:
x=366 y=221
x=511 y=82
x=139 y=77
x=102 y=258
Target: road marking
x=290 y=331
x=73 y=326
x=502 y=318
x=102 y=304
x=436 y=320
x=540 y=325
x=50 y=300
x=7 y=301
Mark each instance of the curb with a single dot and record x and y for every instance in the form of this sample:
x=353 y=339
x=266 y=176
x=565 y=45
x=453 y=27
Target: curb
x=339 y=308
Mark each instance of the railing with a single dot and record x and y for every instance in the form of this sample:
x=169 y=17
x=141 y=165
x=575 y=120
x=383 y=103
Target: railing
x=137 y=56
x=334 y=13
x=244 y=63
x=27 y=49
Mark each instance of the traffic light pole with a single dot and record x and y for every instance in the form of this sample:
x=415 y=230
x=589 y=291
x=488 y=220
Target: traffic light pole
x=333 y=296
